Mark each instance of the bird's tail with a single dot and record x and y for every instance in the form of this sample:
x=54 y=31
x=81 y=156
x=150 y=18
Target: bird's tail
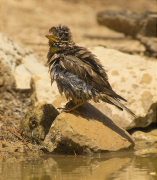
x=116 y=102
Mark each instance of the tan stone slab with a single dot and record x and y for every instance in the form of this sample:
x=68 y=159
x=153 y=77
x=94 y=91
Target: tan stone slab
x=133 y=78
x=87 y=130
x=22 y=77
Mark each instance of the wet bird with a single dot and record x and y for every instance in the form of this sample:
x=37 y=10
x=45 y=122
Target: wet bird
x=77 y=72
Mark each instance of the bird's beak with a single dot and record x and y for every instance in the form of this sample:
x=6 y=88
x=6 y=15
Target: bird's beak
x=51 y=37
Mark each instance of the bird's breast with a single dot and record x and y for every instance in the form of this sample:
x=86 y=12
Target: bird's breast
x=53 y=49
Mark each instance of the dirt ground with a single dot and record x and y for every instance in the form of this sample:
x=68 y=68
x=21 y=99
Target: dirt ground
x=27 y=23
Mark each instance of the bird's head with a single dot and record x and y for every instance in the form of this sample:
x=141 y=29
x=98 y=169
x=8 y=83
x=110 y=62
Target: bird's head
x=59 y=37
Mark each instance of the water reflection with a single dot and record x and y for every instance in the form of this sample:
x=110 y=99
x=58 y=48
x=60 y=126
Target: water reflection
x=119 y=166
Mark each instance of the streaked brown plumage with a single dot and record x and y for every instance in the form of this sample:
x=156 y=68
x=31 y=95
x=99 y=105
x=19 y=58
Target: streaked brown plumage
x=77 y=72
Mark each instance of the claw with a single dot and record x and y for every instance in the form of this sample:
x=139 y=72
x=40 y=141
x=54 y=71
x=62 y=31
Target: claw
x=66 y=109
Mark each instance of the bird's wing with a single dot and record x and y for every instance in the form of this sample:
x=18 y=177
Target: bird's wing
x=87 y=57
x=85 y=72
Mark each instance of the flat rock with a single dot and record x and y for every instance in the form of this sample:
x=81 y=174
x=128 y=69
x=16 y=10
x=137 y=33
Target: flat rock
x=86 y=130
x=146 y=142
x=149 y=137
x=133 y=78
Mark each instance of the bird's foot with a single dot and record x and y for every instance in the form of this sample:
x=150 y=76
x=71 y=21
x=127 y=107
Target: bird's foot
x=69 y=107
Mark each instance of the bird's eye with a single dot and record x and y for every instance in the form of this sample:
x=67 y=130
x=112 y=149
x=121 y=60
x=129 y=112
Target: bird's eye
x=66 y=34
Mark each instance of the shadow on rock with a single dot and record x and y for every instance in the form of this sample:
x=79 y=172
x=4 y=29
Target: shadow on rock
x=37 y=122
x=90 y=112
x=86 y=130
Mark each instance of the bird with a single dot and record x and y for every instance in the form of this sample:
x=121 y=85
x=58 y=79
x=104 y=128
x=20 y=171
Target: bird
x=78 y=73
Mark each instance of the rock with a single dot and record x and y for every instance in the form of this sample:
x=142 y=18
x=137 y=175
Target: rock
x=22 y=62
x=126 y=45
x=145 y=140
x=23 y=78
x=11 y=57
x=133 y=78
x=153 y=132
x=121 y=20
x=149 y=150
x=7 y=78
x=149 y=28
x=9 y=52
x=146 y=120
x=33 y=64
x=37 y=121
x=138 y=26
x=145 y=143
x=14 y=79
x=139 y=135
x=129 y=46
x=43 y=92
x=86 y=130
x=150 y=43
x=129 y=22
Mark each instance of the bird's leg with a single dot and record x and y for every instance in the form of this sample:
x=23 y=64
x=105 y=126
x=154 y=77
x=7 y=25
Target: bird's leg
x=74 y=107
x=68 y=104
x=66 y=109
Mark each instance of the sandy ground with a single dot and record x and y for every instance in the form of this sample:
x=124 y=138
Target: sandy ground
x=27 y=22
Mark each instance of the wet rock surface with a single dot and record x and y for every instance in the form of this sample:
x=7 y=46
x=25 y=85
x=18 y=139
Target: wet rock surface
x=146 y=142
x=37 y=121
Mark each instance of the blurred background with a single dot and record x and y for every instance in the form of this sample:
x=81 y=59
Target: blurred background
x=27 y=23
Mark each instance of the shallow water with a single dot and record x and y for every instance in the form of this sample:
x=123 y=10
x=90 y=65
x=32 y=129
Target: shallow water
x=107 y=166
